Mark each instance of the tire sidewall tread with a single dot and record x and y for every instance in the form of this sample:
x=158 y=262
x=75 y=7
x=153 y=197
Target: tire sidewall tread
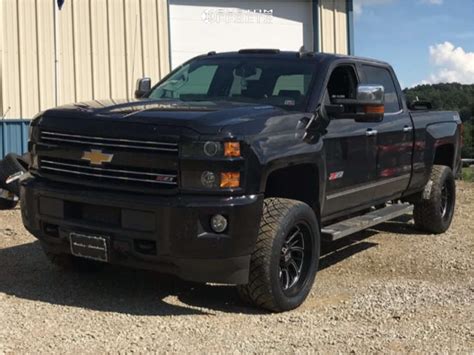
x=427 y=213
x=263 y=288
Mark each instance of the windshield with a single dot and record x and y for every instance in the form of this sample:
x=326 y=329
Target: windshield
x=266 y=81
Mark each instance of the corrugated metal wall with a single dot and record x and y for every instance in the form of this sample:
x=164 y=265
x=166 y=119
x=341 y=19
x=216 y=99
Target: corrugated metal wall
x=333 y=26
x=13 y=136
x=102 y=47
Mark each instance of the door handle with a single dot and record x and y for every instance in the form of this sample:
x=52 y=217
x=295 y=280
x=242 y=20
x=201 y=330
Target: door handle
x=407 y=129
x=371 y=132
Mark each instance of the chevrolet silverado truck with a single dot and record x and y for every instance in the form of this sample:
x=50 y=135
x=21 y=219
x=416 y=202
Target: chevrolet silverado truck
x=234 y=168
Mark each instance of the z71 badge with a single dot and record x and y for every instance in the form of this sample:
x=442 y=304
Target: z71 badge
x=336 y=175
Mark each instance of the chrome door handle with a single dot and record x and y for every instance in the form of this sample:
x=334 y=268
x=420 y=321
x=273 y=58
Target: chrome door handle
x=407 y=129
x=371 y=132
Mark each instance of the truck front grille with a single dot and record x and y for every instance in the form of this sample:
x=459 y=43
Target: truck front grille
x=108 y=173
x=74 y=139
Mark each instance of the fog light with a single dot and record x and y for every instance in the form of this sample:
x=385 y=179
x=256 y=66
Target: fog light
x=208 y=179
x=218 y=223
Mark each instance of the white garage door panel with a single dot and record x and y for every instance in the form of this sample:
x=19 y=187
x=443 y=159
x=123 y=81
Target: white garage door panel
x=196 y=27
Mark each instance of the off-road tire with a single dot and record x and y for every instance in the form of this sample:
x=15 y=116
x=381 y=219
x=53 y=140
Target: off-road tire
x=264 y=288
x=7 y=204
x=428 y=212
x=69 y=262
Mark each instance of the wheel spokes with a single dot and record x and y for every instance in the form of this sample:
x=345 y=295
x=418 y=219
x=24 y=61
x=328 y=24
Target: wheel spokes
x=293 y=257
x=293 y=236
x=285 y=278
x=444 y=201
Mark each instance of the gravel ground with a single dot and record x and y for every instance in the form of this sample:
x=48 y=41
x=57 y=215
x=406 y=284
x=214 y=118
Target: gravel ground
x=388 y=289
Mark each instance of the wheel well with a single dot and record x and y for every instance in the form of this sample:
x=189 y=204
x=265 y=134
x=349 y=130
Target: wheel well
x=299 y=182
x=444 y=155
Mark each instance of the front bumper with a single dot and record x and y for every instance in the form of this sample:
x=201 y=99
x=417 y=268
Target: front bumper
x=166 y=234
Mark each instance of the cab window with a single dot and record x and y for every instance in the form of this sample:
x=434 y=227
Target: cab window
x=342 y=83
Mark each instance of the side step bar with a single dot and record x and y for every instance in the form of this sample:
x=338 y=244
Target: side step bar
x=356 y=224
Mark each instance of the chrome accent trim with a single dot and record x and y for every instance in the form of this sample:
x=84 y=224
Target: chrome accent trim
x=367 y=186
x=108 y=142
x=104 y=169
x=108 y=177
x=108 y=139
x=371 y=94
x=393 y=113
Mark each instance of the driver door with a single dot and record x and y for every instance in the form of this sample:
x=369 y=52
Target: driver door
x=351 y=150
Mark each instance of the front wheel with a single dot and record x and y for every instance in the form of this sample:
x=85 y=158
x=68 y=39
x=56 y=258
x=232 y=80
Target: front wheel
x=285 y=261
x=434 y=212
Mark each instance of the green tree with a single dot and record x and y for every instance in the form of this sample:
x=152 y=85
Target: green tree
x=468 y=148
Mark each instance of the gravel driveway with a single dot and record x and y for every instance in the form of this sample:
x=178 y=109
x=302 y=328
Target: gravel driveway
x=386 y=289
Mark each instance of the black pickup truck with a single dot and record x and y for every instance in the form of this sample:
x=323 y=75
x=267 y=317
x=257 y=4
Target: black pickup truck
x=235 y=166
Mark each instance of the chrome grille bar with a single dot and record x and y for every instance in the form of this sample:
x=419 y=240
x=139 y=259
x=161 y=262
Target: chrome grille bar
x=108 y=142
x=107 y=173
x=105 y=169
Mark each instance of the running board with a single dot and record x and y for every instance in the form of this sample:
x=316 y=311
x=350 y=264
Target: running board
x=359 y=223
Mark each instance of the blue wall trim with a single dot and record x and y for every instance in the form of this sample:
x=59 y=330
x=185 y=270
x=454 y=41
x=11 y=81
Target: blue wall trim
x=13 y=136
x=350 y=26
x=315 y=9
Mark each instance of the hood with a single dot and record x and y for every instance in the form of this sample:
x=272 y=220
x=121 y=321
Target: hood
x=202 y=117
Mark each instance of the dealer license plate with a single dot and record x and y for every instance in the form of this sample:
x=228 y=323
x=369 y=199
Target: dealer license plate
x=89 y=246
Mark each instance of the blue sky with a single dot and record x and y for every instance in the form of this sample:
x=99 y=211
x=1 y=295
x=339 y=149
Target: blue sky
x=425 y=40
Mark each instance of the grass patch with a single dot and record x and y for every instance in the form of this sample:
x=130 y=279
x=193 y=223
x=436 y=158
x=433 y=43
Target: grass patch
x=468 y=174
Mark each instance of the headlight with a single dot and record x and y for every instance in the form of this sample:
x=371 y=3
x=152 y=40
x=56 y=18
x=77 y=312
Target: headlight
x=210 y=150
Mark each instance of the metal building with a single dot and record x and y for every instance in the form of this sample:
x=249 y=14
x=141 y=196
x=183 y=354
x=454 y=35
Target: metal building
x=95 y=49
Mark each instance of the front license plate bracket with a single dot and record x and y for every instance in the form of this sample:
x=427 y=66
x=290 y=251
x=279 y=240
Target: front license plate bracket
x=89 y=246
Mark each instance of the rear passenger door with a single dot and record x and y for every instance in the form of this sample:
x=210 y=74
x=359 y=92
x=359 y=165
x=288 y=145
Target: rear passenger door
x=394 y=136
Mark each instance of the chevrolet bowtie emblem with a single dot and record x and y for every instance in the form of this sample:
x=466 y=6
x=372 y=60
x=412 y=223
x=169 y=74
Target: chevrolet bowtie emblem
x=96 y=157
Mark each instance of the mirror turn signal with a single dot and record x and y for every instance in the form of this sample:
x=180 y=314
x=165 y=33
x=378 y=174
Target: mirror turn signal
x=377 y=109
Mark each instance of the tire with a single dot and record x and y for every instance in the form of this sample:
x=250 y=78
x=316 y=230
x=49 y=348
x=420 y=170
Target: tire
x=434 y=212
x=9 y=166
x=7 y=204
x=288 y=240
x=72 y=263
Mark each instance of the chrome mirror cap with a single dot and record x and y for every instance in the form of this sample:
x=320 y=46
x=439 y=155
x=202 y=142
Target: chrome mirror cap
x=371 y=94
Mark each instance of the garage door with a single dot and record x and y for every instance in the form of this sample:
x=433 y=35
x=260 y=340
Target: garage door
x=201 y=26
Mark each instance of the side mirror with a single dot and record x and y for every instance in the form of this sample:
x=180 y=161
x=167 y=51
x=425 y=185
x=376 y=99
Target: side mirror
x=420 y=105
x=367 y=107
x=143 y=87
